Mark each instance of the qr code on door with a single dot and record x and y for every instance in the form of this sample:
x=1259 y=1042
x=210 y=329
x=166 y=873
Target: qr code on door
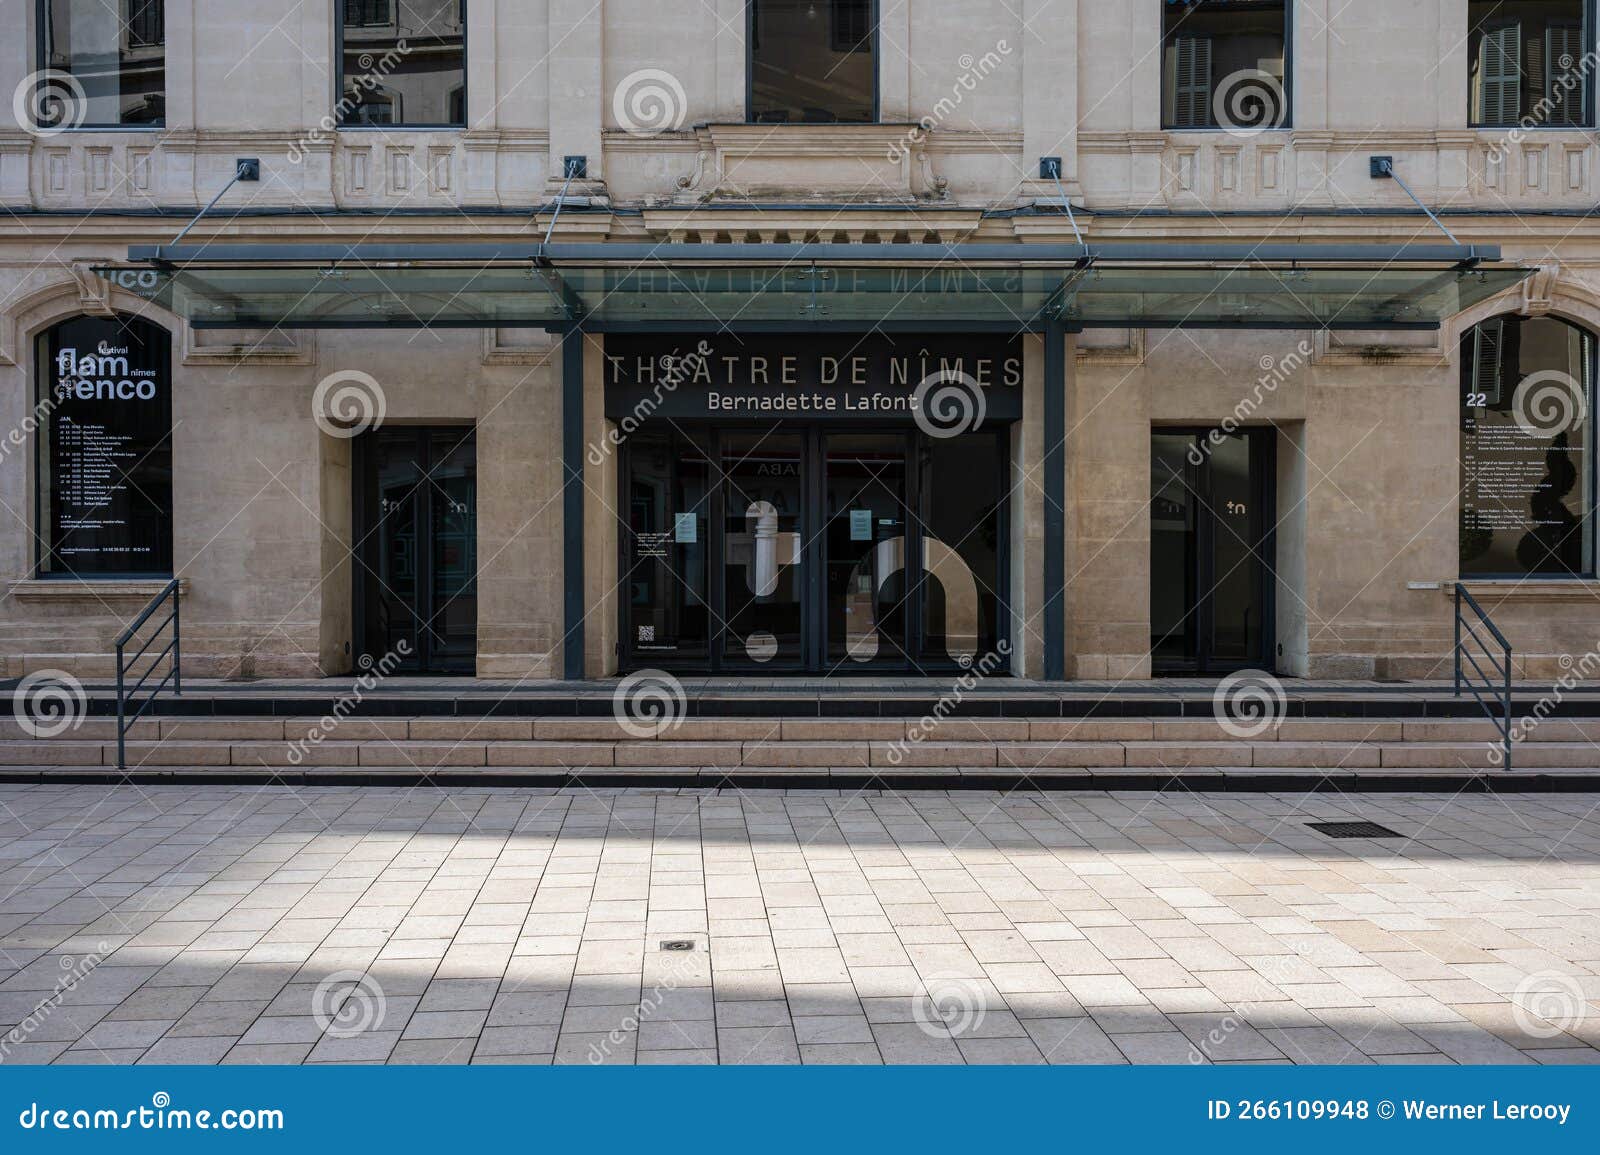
x=647 y=633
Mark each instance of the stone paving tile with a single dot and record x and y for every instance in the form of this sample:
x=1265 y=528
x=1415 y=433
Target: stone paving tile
x=505 y=925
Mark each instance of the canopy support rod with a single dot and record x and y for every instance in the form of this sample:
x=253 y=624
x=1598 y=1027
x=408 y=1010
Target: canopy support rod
x=244 y=169
x=561 y=203
x=1067 y=204
x=1382 y=168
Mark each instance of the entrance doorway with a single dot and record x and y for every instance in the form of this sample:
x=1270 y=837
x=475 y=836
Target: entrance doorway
x=1211 y=549
x=811 y=550
x=416 y=526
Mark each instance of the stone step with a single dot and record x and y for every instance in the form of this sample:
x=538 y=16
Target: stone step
x=1296 y=780
x=1291 y=731
x=377 y=750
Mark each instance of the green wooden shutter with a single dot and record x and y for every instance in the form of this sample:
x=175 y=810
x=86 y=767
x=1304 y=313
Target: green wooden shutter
x=1191 y=84
x=1564 y=58
x=1500 y=75
x=1488 y=348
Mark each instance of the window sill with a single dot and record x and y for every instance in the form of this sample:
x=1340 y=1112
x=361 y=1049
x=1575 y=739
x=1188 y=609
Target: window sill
x=1529 y=590
x=91 y=590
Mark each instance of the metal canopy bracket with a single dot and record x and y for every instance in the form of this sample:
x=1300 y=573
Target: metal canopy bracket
x=245 y=169
x=1382 y=168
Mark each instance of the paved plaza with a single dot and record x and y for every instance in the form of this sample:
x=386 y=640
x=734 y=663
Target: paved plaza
x=275 y=925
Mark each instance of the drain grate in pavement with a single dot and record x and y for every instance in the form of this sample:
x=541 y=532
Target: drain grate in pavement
x=677 y=944
x=1353 y=830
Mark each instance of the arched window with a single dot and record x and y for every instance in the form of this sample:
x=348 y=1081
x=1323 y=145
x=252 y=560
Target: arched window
x=102 y=421
x=1527 y=449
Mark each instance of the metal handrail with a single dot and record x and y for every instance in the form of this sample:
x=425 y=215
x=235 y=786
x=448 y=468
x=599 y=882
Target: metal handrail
x=173 y=648
x=1497 y=684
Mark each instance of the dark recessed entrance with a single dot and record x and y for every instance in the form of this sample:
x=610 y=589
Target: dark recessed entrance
x=820 y=549
x=1211 y=550
x=416 y=533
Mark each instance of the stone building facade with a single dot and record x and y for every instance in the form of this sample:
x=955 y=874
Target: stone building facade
x=1352 y=514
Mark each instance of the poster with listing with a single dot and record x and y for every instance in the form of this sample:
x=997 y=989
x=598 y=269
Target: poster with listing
x=1526 y=473
x=105 y=486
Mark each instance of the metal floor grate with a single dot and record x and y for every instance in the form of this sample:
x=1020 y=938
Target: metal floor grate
x=1353 y=830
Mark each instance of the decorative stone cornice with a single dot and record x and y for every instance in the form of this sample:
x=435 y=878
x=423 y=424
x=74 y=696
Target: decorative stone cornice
x=865 y=163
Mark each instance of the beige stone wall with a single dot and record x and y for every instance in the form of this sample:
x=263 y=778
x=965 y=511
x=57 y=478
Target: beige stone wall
x=1367 y=469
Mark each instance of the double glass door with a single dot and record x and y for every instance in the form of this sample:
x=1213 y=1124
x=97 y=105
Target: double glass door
x=808 y=550
x=1211 y=543
x=416 y=580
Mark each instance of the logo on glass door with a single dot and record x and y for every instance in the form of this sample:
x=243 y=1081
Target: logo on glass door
x=764 y=552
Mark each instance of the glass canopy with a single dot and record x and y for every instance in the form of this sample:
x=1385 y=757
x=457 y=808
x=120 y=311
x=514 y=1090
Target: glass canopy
x=694 y=286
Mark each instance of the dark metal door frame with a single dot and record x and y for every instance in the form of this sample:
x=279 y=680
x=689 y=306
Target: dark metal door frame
x=709 y=439
x=1262 y=442
x=425 y=661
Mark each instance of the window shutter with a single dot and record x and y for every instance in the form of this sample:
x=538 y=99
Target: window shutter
x=1488 y=348
x=1191 y=85
x=1564 y=59
x=1500 y=75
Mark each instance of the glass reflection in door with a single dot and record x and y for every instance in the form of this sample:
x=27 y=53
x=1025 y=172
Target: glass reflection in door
x=763 y=533
x=1174 y=485
x=962 y=504
x=665 y=547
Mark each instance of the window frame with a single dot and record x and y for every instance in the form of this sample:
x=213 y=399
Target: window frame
x=41 y=48
x=750 y=43
x=1589 y=121
x=43 y=545
x=1591 y=564
x=338 y=74
x=1288 y=77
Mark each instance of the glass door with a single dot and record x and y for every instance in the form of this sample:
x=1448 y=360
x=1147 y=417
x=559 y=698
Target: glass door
x=416 y=585
x=665 y=547
x=813 y=551
x=763 y=519
x=1211 y=548
x=866 y=591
